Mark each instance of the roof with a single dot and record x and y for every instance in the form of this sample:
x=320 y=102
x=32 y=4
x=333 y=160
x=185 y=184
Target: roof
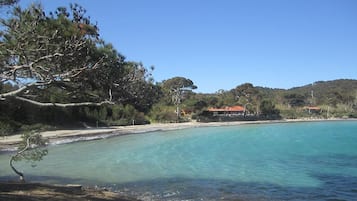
x=236 y=108
x=312 y=108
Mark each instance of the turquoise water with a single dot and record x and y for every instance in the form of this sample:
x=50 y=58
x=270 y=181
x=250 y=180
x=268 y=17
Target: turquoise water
x=287 y=161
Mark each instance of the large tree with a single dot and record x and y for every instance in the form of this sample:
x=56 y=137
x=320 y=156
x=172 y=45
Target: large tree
x=176 y=88
x=268 y=110
x=58 y=60
x=39 y=51
x=247 y=95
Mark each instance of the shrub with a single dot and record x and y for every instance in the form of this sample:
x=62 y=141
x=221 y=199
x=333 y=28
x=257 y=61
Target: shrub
x=6 y=129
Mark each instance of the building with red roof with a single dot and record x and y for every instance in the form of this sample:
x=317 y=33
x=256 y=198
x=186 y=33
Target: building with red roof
x=228 y=111
x=312 y=109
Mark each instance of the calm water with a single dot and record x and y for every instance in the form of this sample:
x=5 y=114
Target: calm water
x=295 y=161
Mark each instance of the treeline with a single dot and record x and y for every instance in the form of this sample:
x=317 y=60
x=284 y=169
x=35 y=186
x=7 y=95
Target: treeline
x=56 y=71
x=332 y=99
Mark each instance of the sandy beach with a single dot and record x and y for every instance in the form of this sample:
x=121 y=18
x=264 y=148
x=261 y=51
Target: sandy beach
x=10 y=143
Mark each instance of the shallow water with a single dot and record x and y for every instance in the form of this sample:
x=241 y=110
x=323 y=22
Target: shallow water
x=294 y=161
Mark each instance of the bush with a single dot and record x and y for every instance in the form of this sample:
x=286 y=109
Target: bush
x=6 y=129
x=164 y=114
x=37 y=127
x=353 y=115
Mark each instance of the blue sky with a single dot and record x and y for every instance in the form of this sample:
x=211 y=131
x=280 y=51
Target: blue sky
x=220 y=44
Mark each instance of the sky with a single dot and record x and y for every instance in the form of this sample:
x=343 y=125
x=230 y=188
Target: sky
x=220 y=44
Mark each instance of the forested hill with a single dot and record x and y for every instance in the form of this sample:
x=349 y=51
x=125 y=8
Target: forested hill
x=329 y=92
x=337 y=96
x=324 y=92
x=344 y=86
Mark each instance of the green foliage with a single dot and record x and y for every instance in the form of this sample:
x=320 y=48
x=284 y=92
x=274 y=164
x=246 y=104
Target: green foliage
x=295 y=100
x=268 y=108
x=62 y=57
x=30 y=149
x=176 y=88
x=32 y=143
x=66 y=62
x=163 y=114
x=6 y=128
x=113 y=115
x=36 y=127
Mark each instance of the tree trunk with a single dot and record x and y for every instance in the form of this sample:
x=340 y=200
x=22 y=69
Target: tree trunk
x=21 y=175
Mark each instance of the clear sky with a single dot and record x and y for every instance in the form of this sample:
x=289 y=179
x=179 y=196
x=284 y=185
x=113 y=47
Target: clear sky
x=220 y=44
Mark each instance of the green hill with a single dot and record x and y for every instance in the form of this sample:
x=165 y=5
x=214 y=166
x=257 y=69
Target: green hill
x=336 y=98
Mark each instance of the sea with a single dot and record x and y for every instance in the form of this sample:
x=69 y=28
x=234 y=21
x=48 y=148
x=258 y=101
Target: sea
x=257 y=162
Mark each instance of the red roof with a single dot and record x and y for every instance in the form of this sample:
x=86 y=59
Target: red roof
x=236 y=108
x=312 y=108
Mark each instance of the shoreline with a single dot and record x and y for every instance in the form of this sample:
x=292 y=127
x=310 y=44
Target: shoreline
x=42 y=192
x=55 y=137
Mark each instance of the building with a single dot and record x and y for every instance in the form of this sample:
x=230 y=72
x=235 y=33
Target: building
x=312 y=109
x=227 y=111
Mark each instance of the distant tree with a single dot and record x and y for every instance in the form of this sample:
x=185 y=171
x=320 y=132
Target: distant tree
x=212 y=101
x=176 y=88
x=268 y=109
x=295 y=100
x=199 y=105
x=247 y=94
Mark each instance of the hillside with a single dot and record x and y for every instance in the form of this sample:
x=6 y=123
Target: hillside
x=336 y=98
x=344 y=87
x=334 y=92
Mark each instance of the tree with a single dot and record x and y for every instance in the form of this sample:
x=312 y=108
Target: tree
x=39 y=52
x=246 y=94
x=295 y=100
x=59 y=60
x=176 y=88
x=268 y=109
x=30 y=149
x=136 y=87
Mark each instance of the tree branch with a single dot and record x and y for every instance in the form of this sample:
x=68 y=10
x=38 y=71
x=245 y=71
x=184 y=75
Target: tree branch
x=63 y=104
x=76 y=72
x=19 y=90
x=12 y=93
